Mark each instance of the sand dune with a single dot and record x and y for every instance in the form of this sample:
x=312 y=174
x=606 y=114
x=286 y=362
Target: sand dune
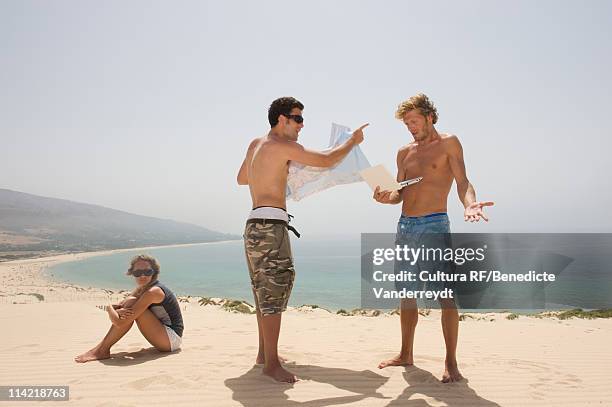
x=521 y=362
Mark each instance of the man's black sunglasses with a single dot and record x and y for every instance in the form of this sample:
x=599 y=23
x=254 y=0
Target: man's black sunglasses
x=296 y=118
x=138 y=273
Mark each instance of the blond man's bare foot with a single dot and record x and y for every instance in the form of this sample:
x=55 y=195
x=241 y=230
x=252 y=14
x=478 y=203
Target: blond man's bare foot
x=399 y=360
x=261 y=359
x=93 y=354
x=280 y=375
x=451 y=373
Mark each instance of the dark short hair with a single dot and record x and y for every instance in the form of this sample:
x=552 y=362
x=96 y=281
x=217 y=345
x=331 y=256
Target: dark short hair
x=282 y=106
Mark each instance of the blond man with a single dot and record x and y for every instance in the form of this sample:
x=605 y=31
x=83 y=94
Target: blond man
x=438 y=158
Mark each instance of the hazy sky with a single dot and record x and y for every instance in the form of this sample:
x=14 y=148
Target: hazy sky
x=148 y=107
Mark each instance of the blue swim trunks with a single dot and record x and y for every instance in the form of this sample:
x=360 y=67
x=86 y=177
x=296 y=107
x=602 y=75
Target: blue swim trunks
x=425 y=232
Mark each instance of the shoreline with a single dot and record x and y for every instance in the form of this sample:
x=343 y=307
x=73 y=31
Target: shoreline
x=22 y=280
x=63 y=257
x=27 y=281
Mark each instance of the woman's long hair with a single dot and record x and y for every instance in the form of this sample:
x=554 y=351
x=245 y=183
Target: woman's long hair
x=138 y=291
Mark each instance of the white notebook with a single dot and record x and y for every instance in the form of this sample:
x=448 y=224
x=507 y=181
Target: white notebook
x=380 y=176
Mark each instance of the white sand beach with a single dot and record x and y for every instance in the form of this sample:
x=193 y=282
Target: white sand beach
x=521 y=362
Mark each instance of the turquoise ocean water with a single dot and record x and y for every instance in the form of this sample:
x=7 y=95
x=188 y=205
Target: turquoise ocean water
x=327 y=271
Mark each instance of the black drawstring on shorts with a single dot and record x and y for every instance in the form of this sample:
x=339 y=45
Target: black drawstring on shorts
x=291 y=228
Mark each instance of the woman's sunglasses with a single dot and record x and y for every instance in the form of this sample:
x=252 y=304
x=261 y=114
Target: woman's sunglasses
x=296 y=118
x=138 y=273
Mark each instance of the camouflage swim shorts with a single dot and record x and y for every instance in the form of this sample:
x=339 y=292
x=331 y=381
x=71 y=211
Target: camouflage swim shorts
x=268 y=254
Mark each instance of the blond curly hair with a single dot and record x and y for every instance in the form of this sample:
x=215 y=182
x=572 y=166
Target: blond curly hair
x=422 y=103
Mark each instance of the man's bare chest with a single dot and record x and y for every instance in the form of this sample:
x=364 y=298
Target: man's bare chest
x=425 y=163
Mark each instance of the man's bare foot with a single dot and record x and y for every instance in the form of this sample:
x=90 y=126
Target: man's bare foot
x=280 y=375
x=261 y=359
x=451 y=373
x=397 y=361
x=93 y=354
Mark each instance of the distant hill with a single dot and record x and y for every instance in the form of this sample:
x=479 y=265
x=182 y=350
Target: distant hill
x=31 y=224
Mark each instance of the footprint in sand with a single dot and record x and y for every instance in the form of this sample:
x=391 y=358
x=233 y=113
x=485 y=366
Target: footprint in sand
x=544 y=376
x=570 y=380
x=431 y=358
x=421 y=377
x=204 y=347
x=85 y=379
x=29 y=345
x=24 y=347
x=163 y=381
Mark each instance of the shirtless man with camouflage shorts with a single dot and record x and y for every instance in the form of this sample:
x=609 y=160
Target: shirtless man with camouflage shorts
x=266 y=240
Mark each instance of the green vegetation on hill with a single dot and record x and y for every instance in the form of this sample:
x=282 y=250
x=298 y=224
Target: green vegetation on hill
x=31 y=226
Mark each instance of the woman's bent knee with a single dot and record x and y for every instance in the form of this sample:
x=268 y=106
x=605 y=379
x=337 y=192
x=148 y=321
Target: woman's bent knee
x=128 y=302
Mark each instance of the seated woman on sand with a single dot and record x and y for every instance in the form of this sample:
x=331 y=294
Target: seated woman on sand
x=154 y=308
